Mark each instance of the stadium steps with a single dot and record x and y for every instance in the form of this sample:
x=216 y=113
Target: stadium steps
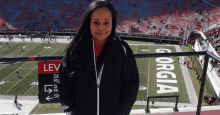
x=165 y=22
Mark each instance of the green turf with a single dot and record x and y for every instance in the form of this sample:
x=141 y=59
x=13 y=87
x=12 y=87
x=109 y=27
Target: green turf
x=47 y=108
x=4 y=46
x=144 y=63
x=196 y=82
x=150 y=107
x=26 y=48
x=10 y=84
x=137 y=42
x=27 y=70
x=11 y=50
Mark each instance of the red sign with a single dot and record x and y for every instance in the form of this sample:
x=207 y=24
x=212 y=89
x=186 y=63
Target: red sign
x=31 y=58
x=49 y=67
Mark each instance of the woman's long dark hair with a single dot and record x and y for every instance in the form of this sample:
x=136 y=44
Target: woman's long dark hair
x=84 y=30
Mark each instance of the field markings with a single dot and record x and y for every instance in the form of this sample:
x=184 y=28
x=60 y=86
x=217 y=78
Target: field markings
x=20 y=80
x=136 y=49
x=6 y=48
x=32 y=86
x=7 y=56
x=20 y=55
x=188 y=82
x=148 y=74
x=151 y=45
x=20 y=67
x=50 y=55
x=11 y=53
x=38 y=108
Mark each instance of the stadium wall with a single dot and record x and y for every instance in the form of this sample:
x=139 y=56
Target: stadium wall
x=149 y=39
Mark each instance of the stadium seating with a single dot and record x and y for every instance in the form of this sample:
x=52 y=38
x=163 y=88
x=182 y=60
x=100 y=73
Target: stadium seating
x=170 y=17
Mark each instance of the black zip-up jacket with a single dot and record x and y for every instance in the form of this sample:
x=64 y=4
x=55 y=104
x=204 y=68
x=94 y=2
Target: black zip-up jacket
x=119 y=81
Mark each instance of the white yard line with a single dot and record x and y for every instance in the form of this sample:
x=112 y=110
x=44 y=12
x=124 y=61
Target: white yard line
x=148 y=73
x=188 y=82
x=19 y=81
x=13 y=72
x=136 y=49
x=151 y=45
x=6 y=56
x=18 y=68
x=37 y=109
x=29 y=89
x=6 y=48
x=50 y=55
x=20 y=55
x=11 y=53
x=2 y=66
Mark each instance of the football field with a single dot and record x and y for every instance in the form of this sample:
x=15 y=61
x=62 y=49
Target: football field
x=157 y=85
x=26 y=83
x=159 y=76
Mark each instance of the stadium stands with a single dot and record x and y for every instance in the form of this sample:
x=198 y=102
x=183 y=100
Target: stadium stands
x=167 y=18
x=172 y=19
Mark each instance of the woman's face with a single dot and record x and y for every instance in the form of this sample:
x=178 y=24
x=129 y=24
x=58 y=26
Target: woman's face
x=101 y=24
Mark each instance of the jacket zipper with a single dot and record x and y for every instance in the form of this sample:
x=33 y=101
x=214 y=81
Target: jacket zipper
x=98 y=78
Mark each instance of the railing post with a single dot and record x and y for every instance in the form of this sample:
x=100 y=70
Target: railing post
x=202 y=84
x=147 y=110
x=176 y=109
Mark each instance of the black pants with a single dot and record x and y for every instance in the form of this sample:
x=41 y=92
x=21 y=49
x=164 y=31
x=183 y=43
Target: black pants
x=16 y=103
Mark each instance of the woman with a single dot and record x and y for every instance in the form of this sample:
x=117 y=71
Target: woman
x=98 y=74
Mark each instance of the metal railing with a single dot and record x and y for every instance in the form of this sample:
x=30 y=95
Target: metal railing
x=173 y=96
x=205 y=53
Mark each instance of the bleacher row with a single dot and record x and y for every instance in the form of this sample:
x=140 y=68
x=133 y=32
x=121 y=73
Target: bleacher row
x=213 y=36
x=162 y=17
x=213 y=73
